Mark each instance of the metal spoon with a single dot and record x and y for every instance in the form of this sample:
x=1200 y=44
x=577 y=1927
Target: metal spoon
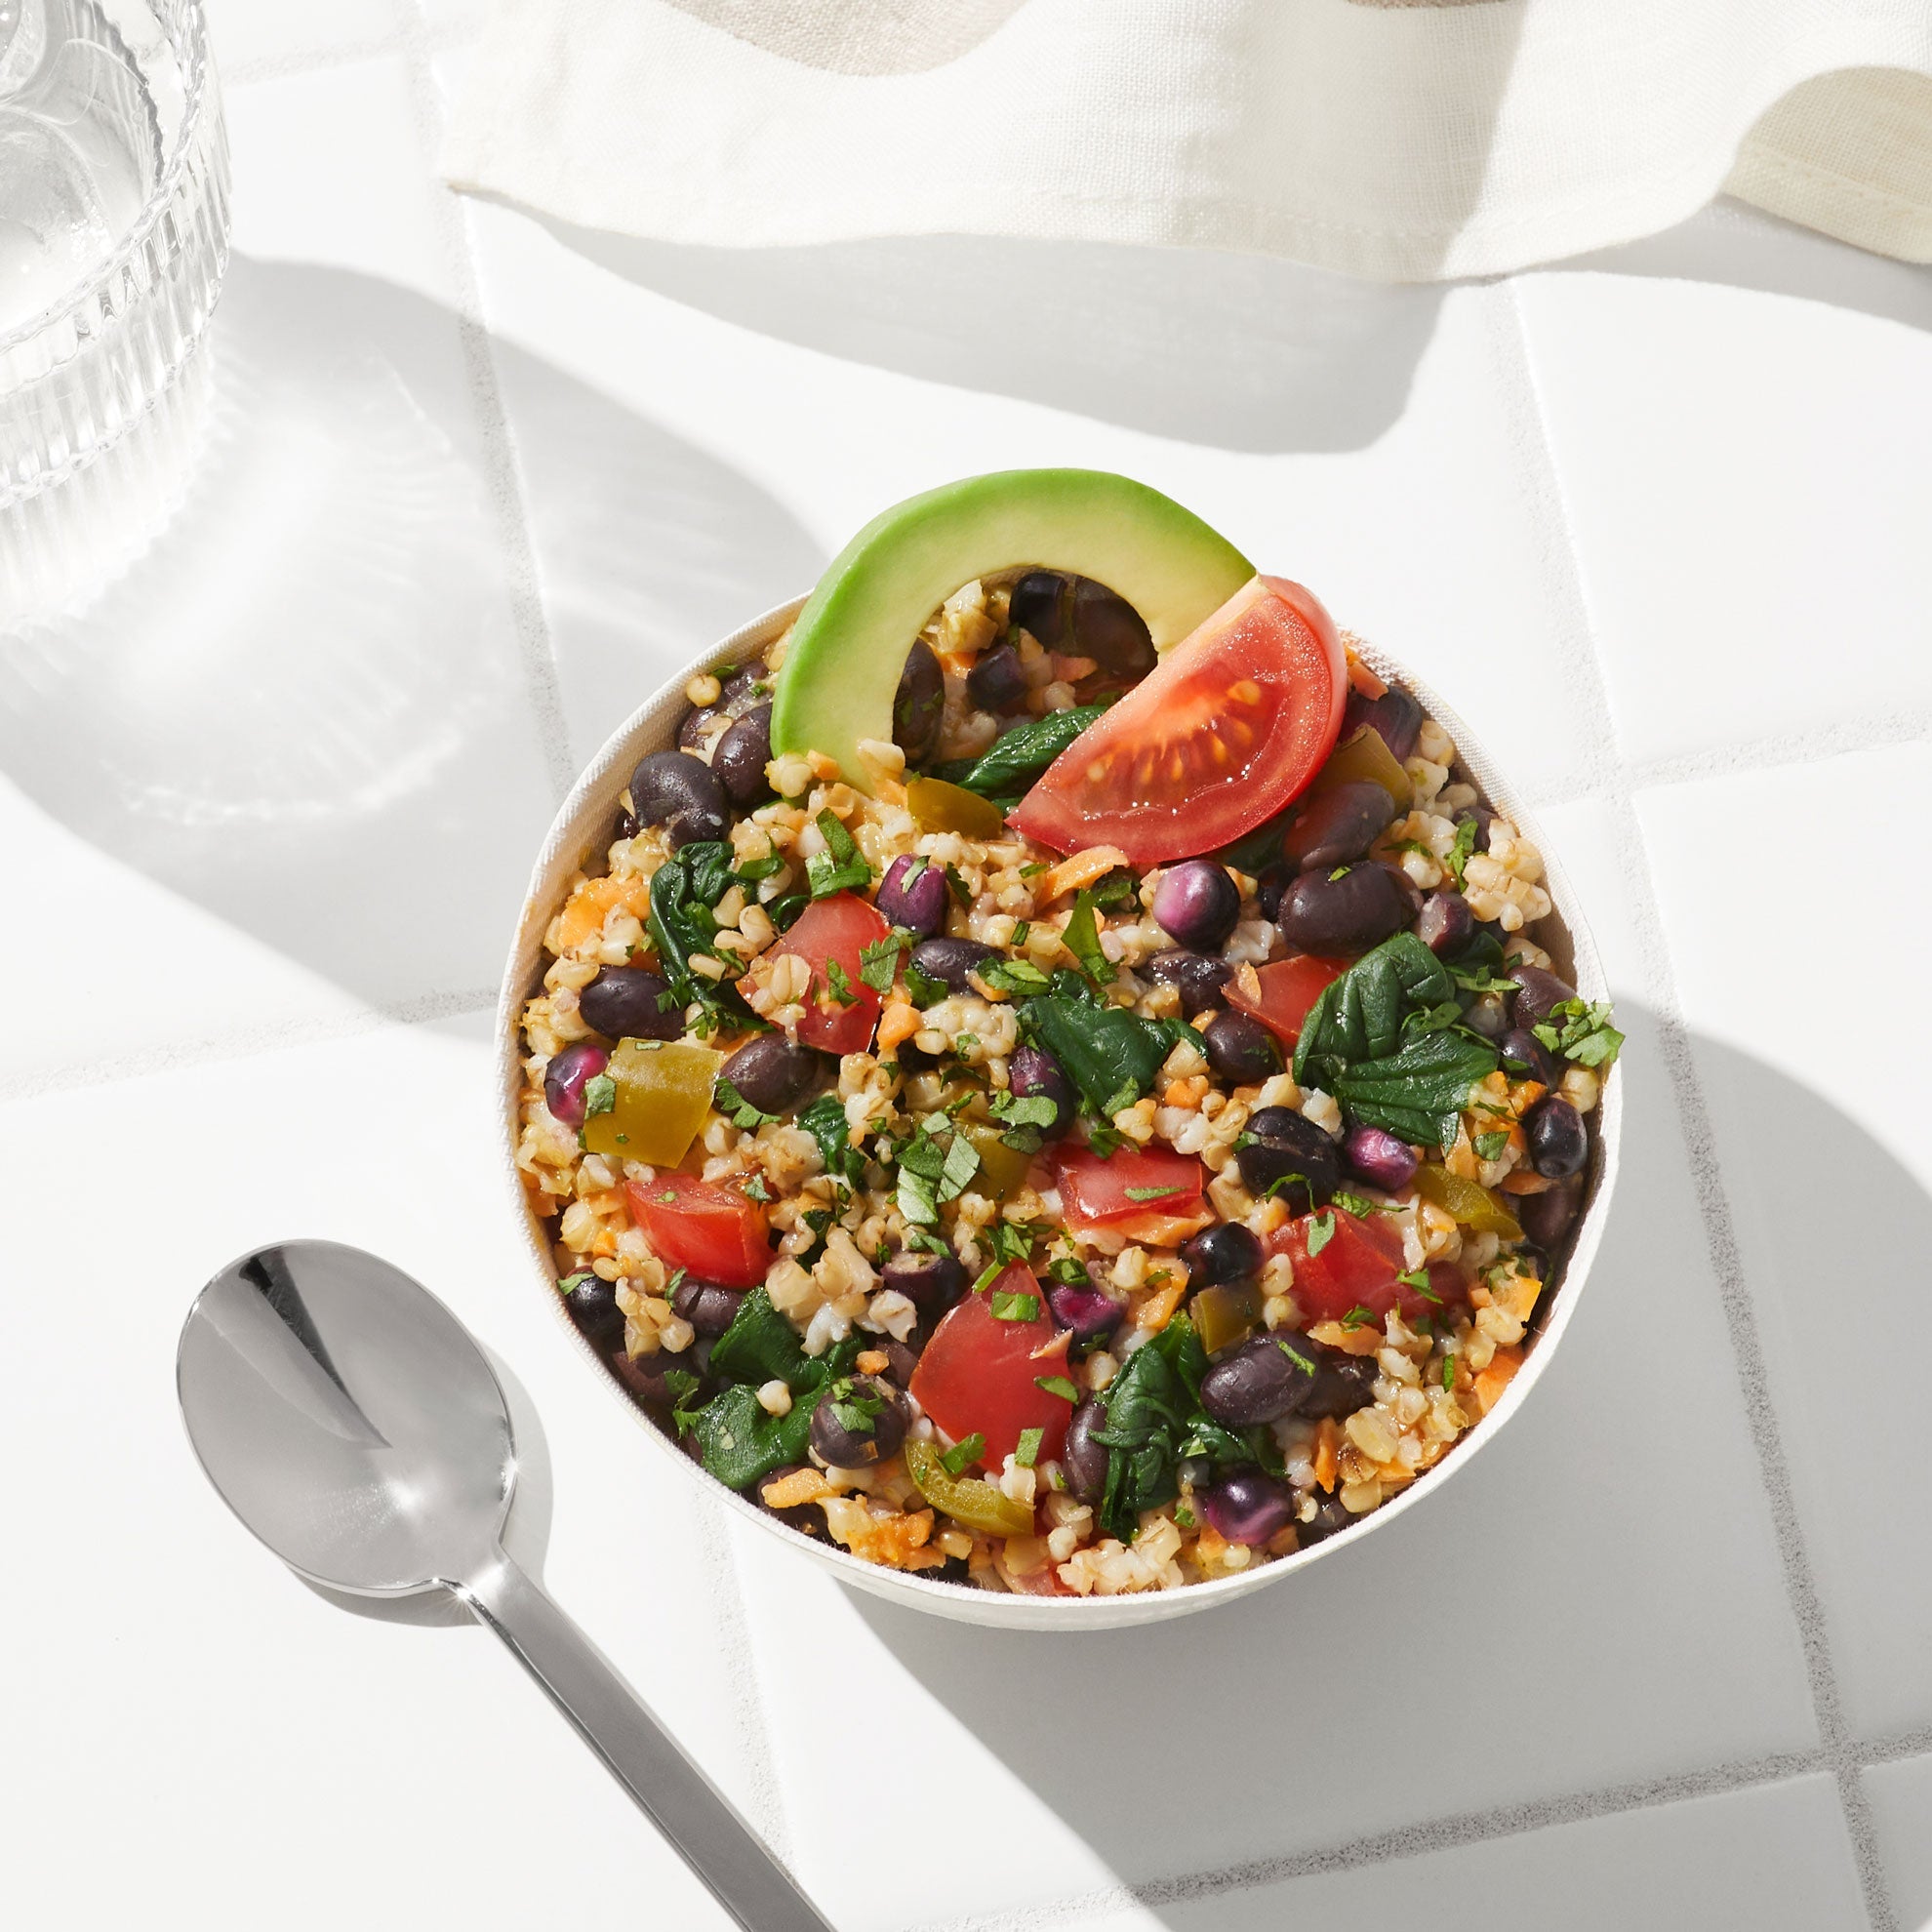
x=349 y=1421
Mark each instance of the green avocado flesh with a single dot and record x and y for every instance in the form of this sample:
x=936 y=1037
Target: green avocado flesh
x=849 y=646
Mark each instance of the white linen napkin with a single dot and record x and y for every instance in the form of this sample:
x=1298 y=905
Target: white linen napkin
x=1397 y=139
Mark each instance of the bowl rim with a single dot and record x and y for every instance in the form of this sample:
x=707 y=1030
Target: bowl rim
x=592 y=803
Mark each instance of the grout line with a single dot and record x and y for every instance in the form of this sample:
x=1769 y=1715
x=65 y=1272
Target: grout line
x=275 y=1036
x=1576 y=639
x=502 y=476
x=1767 y=755
x=294 y=61
x=1888 y=1751
x=1438 y=1834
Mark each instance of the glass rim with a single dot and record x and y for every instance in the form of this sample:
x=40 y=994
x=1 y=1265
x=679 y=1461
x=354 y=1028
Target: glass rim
x=197 y=77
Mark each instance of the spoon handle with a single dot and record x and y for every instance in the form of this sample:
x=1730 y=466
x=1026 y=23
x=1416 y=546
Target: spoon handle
x=679 y=1799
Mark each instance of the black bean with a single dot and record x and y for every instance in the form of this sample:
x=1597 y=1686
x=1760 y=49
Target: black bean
x=644 y=1377
x=750 y=685
x=1538 y=993
x=1346 y=909
x=1337 y=827
x=950 y=960
x=1271 y=885
x=856 y=1440
x=1331 y=1517
x=708 y=1308
x=1039 y=605
x=913 y=894
x=1034 y=1075
x=681 y=793
x=1289 y=1154
x=1090 y=1312
x=593 y=1309
x=1083 y=1461
x=931 y=1282
x=1558 y=1141
x=1526 y=1057
x=1445 y=923
x=1395 y=715
x=1247 y=1506
x=774 y=1073
x=1108 y=629
x=1546 y=1217
x=631 y=1003
x=918 y=707
x=697 y=727
x=1199 y=978
x=1379 y=1157
x=1240 y=1049
x=1197 y=902
x=741 y=755
x=1227 y=1253
x=1267 y=1378
x=1342 y=1384
x=997 y=681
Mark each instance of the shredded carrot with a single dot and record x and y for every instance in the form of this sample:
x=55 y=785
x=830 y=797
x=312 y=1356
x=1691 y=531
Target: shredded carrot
x=1491 y=1382
x=1363 y=679
x=872 y=1361
x=1084 y=868
x=1363 y=1339
x=1157 y=1310
x=584 y=914
x=1327 y=1448
x=800 y=1486
x=1524 y=1181
x=899 y=1022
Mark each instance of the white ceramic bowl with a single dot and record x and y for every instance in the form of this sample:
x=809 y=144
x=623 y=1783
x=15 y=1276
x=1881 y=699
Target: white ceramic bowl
x=583 y=828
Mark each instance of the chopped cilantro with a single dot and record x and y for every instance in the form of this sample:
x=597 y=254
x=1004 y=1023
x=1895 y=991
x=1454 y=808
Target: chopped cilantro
x=1151 y=1193
x=1020 y=933
x=964 y=1043
x=1184 y=1517
x=922 y=988
x=1340 y=872
x=1057 y=1385
x=878 y=962
x=1489 y=1147
x=1009 y=1306
x=963 y=1454
x=841 y=867
x=961 y=892
x=1010 y=1240
x=736 y=1108
x=754 y=1188
x=988 y=1278
x=1068 y=1271
x=1013 y=975
x=1586 y=1034
x=1357 y=1317
x=1360 y=1205
x=1294 y=1356
x=599 y=1095
x=838 y=982
x=1026 y=1452
x=854 y=1405
x=1459 y=852
x=1448 y=1370
x=1082 y=940
x=576 y=1280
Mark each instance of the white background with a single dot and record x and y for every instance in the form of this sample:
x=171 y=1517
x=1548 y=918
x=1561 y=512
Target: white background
x=1656 y=521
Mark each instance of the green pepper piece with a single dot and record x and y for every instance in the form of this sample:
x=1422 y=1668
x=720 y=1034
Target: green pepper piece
x=970 y=1502
x=1002 y=1169
x=660 y=1093
x=1223 y=1314
x=1472 y=1203
x=1365 y=756
x=939 y=807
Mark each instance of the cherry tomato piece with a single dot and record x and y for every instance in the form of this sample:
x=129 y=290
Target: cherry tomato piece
x=1131 y=1182
x=836 y=929
x=981 y=1373
x=1233 y=723
x=713 y=1233
x=1289 y=989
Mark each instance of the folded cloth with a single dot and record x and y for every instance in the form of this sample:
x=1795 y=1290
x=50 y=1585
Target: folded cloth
x=1392 y=139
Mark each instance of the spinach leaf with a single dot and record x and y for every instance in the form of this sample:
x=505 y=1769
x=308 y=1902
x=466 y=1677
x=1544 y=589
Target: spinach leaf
x=742 y=1441
x=1082 y=940
x=824 y=1120
x=761 y=1346
x=1112 y=1054
x=1359 y=1016
x=683 y=891
x=1418 y=1093
x=1014 y=761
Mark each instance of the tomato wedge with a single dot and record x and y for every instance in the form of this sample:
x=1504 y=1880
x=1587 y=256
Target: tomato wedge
x=838 y=928
x=1358 y=1267
x=1229 y=726
x=718 y=1235
x=981 y=1374
x=1289 y=989
x=1132 y=1183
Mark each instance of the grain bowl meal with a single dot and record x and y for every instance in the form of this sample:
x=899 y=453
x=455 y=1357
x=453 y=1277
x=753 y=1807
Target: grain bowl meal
x=1077 y=1108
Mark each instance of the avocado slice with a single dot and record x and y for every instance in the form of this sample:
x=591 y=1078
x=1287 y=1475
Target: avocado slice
x=849 y=646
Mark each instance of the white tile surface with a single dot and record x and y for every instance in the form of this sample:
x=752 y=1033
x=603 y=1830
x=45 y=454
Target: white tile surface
x=1827 y=1163
x=1742 y=472
x=285 y=779
x=238 y=1727
x=1776 y=1860
x=1901 y=1798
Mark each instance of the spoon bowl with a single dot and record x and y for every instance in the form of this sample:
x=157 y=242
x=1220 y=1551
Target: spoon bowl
x=352 y=1423
x=397 y=1487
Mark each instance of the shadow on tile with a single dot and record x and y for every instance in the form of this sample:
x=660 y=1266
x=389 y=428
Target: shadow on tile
x=1602 y=1604
x=306 y=708
x=1232 y=352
